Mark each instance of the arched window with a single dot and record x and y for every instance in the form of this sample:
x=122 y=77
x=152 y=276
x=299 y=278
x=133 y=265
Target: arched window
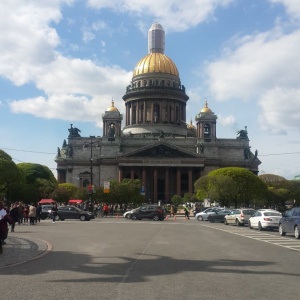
x=156 y=113
x=206 y=130
x=85 y=182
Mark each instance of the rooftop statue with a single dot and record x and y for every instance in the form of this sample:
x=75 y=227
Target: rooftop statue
x=242 y=134
x=74 y=132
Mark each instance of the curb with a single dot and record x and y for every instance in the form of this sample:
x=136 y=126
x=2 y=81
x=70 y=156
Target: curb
x=20 y=250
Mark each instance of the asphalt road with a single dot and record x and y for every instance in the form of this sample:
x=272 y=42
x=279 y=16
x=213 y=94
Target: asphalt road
x=118 y=259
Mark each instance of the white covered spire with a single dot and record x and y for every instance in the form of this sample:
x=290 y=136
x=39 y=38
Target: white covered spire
x=156 y=39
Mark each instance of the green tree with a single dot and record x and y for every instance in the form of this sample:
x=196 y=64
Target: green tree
x=243 y=189
x=39 y=182
x=11 y=178
x=177 y=200
x=64 y=192
x=249 y=188
x=281 y=191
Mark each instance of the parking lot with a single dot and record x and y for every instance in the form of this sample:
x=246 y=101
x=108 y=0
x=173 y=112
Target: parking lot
x=116 y=258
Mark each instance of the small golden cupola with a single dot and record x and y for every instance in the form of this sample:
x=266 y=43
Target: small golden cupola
x=191 y=130
x=206 y=124
x=112 y=107
x=112 y=120
x=206 y=109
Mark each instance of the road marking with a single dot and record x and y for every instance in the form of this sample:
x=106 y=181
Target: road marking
x=262 y=236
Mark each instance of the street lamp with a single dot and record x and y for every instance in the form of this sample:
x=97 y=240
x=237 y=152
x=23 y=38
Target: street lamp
x=91 y=143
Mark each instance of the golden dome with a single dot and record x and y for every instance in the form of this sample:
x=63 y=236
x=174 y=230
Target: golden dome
x=155 y=63
x=206 y=108
x=191 y=126
x=112 y=108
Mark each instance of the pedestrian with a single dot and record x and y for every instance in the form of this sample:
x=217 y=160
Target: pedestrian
x=4 y=219
x=172 y=211
x=186 y=212
x=105 y=210
x=20 y=213
x=54 y=210
x=32 y=214
x=38 y=213
x=111 y=210
x=14 y=215
x=25 y=214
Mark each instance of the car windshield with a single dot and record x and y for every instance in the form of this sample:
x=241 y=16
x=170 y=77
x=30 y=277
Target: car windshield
x=248 y=212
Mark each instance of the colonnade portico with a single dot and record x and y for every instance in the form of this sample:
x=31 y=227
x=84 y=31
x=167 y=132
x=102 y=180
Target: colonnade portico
x=161 y=182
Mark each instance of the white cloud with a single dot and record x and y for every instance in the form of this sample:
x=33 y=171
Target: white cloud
x=227 y=121
x=257 y=67
x=280 y=110
x=28 y=54
x=176 y=15
x=292 y=7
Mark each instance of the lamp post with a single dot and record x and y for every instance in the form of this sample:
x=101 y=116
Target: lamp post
x=90 y=187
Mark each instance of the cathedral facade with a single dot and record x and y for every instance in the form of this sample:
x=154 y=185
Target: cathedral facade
x=156 y=145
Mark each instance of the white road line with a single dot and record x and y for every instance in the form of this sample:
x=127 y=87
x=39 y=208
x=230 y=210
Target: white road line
x=263 y=237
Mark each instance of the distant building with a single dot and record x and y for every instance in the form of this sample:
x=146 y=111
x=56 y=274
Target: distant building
x=157 y=145
x=297 y=177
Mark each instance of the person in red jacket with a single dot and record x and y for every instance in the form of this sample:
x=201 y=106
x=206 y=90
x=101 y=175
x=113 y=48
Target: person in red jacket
x=105 y=210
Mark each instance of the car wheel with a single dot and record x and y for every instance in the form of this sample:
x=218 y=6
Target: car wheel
x=281 y=232
x=82 y=218
x=259 y=226
x=57 y=218
x=211 y=220
x=297 y=233
x=156 y=217
x=128 y=216
x=134 y=217
x=249 y=225
x=225 y=222
x=237 y=222
x=200 y=218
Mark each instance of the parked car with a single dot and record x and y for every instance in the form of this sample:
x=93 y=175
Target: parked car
x=72 y=212
x=46 y=210
x=203 y=215
x=290 y=222
x=239 y=216
x=265 y=219
x=219 y=216
x=154 y=212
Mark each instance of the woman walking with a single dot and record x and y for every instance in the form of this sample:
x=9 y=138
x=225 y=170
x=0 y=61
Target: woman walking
x=32 y=214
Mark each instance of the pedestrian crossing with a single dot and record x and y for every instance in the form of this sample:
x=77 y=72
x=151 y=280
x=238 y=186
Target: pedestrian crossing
x=288 y=242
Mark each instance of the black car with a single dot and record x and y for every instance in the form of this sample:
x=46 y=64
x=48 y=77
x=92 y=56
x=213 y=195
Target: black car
x=290 y=222
x=219 y=216
x=72 y=212
x=154 y=212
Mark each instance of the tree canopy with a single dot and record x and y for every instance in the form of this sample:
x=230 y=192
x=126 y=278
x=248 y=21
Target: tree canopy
x=39 y=182
x=10 y=176
x=231 y=187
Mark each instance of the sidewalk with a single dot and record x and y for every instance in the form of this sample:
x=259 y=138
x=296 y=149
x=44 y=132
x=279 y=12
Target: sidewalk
x=19 y=250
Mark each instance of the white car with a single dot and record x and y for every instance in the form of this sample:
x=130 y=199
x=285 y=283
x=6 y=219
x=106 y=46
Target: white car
x=265 y=219
x=127 y=214
x=203 y=215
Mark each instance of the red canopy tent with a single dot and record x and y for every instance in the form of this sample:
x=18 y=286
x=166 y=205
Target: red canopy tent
x=75 y=201
x=47 y=201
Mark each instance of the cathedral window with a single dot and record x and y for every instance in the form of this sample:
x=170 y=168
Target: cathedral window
x=206 y=130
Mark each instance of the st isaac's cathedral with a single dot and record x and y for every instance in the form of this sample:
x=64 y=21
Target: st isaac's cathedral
x=157 y=145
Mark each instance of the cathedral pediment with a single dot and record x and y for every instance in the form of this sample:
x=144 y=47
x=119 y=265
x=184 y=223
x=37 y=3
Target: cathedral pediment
x=161 y=150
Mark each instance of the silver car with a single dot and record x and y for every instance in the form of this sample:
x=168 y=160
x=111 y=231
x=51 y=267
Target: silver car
x=203 y=215
x=239 y=216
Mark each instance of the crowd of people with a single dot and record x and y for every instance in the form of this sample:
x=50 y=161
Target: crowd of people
x=17 y=213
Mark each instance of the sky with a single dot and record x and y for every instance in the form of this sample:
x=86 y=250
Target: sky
x=63 y=61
